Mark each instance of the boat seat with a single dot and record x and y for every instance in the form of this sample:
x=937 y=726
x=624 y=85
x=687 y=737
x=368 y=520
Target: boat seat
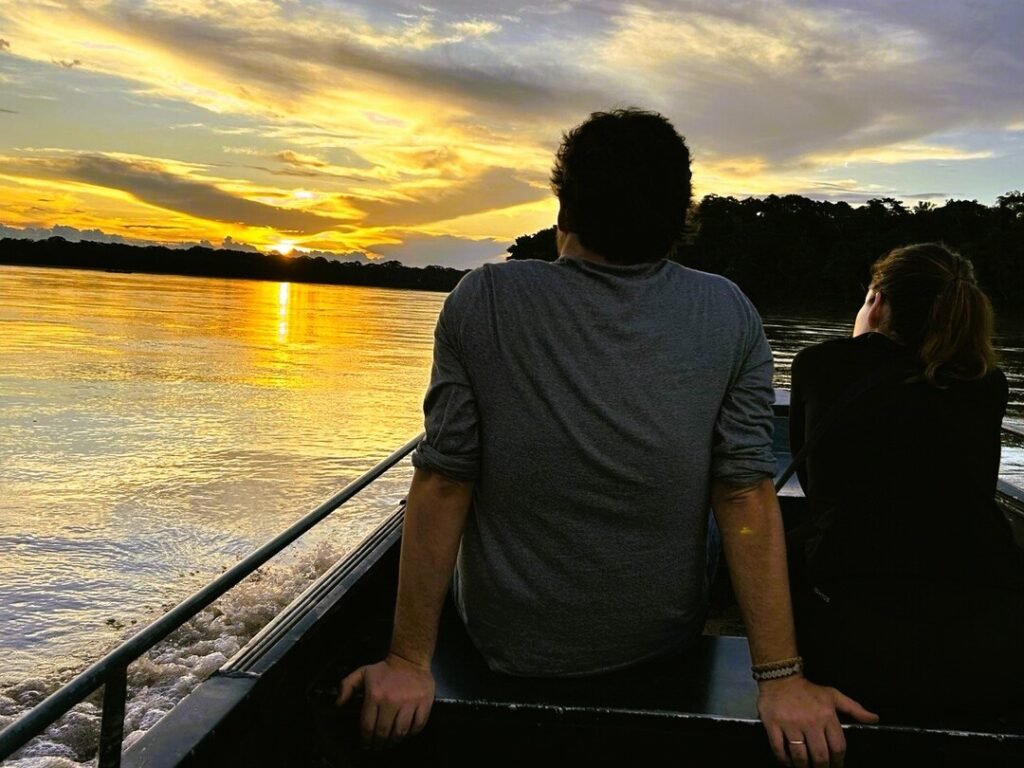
x=711 y=680
x=697 y=706
x=702 y=702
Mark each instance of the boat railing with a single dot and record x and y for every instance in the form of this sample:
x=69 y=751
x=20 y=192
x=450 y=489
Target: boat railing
x=111 y=671
x=1011 y=492
x=1017 y=430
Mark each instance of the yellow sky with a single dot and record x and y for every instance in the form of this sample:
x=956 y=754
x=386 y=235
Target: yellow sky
x=400 y=130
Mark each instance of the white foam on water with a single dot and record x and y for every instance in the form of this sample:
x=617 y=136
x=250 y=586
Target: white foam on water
x=169 y=671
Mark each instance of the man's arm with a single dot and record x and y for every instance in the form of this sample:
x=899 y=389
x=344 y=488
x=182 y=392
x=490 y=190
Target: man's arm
x=800 y=717
x=399 y=690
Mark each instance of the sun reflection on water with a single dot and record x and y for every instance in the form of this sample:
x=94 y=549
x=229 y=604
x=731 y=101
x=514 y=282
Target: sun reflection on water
x=283 y=294
x=156 y=425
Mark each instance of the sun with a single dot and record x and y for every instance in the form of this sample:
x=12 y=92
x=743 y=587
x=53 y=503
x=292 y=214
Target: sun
x=284 y=247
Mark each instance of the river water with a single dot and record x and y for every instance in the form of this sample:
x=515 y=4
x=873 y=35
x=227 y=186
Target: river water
x=155 y=429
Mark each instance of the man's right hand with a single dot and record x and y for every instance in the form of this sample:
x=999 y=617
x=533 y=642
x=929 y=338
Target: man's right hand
x=397 y=697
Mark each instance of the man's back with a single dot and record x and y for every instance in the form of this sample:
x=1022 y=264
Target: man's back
x=588 y=402
x=580 y=419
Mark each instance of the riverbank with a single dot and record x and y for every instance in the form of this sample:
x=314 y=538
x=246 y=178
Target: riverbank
x=223 y=263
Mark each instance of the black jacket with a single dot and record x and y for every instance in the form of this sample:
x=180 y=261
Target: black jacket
x=901 y=486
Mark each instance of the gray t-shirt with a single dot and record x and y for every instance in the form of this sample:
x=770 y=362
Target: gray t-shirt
x=592 y=405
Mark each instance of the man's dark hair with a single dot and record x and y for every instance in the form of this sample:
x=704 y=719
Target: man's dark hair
x=623 y=182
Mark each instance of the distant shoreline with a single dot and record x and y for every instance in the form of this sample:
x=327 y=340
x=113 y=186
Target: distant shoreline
x=57 y=252
x=789 y=255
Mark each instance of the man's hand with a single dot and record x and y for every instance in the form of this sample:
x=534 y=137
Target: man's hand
x=801 y=721
x=800 y=717
x=397 y=697
x=399 y=691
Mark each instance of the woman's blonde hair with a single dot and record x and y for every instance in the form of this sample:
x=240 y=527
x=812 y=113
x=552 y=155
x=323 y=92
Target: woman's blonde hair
x=937 y=309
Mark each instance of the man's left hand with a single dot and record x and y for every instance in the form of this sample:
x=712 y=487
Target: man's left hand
x=802 y=722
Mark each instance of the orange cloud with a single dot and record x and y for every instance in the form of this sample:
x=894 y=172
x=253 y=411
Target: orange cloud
x=152 y=183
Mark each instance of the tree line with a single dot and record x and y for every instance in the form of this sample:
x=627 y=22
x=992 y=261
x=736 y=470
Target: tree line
x=207 y=262
x=789 y=253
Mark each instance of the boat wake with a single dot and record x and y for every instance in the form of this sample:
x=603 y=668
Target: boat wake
x=168 y=672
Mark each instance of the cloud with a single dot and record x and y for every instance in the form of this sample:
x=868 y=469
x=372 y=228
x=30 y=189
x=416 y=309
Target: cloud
x=472 y=28
x=249 y=151
x=8 y=111
x=264 y=55
x=68 y=233
x=150 y=182
x=229 y=243
x=420 y=250
x=67 y=64
x=497 y=86
x=300 y=165
x=784 y=80
x=342 y=162
x=895 y=154
x=493 y=189
x=855 y=194
x=333 y=157
x=290 y=157
x=4 y=45
x=75 y=235
x=777 y=80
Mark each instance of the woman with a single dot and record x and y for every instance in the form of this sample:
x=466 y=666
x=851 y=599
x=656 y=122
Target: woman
x=908 y=588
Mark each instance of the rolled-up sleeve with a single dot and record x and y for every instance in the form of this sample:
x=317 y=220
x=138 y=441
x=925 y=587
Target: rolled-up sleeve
x=742 y=452
x=451 y=445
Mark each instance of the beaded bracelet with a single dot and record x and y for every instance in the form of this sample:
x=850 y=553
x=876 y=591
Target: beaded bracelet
x=774 y=670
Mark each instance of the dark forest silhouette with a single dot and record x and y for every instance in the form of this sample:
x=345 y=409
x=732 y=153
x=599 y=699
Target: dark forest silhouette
x=793 y=254
x=207 y=262
x=787 y=253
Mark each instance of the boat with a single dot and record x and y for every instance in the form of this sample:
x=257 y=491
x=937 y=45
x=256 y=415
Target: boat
x=272 y=704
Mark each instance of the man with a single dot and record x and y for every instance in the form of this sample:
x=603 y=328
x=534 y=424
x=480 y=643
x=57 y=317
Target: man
x=581 y=415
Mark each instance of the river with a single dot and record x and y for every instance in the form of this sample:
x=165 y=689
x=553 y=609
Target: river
x=154 y=429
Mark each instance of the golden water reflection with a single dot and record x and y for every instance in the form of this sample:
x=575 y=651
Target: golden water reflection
x=155 y=426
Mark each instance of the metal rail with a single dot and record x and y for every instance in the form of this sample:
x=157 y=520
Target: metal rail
x=1017 y=430
x=111 y=670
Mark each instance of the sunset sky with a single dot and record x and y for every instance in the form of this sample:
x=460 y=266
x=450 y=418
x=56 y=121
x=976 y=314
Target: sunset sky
x=424 y=133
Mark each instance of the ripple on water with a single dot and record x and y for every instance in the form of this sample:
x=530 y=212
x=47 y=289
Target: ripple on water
x=170 y=671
